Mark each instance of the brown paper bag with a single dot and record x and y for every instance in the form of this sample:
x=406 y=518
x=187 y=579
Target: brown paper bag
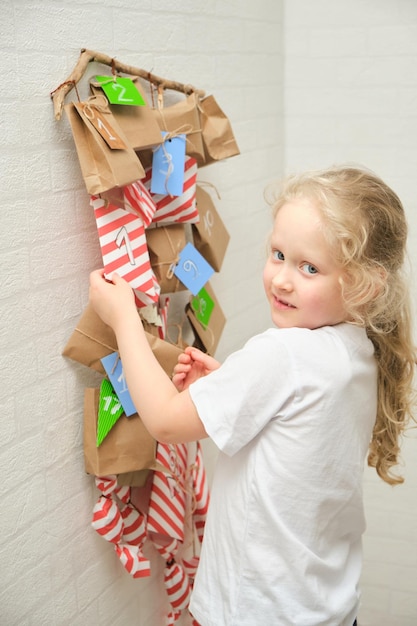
x=208 y=336
x=133 y=479
x=127 y=448
x=92 y=340
x=137 y=122
x=218 y=138
x=101 y=166
x=210 y=235
x=183 y=118
x=164 y=245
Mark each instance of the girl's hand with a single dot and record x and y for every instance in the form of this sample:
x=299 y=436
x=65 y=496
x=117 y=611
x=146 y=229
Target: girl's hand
x=192 y=364
x=112 y=300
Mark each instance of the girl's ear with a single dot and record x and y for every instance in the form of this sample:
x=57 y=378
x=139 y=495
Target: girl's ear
x=369 y=288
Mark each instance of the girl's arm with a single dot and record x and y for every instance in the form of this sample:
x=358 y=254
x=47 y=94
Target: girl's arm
x=170 y=416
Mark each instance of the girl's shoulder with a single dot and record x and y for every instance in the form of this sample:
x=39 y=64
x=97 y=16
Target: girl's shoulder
x=336 y=340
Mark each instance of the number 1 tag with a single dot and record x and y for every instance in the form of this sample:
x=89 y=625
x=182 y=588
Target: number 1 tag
x=121 y=90
x=101 y=124
x=193 y=269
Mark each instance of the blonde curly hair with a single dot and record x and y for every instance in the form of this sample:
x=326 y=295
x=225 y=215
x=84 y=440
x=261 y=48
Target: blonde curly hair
x=366 y=226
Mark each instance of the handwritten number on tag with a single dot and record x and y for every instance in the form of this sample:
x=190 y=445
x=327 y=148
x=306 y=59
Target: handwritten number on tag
x=122 y=91
x=102 y=127
x=122 y=380
x=208 y=222
x=189 y=266
x=108 y=400
x=123 y=236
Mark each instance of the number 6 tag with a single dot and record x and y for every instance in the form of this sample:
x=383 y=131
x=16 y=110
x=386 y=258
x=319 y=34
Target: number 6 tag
x=192 y=269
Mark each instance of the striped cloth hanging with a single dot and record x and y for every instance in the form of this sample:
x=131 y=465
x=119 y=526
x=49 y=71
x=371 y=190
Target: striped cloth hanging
x=123 y=246
x=176 y=208
x=166 y=514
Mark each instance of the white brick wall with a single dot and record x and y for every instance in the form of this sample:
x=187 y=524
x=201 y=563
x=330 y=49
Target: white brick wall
x=350 y=95
x=55 y=569
x=350 y=92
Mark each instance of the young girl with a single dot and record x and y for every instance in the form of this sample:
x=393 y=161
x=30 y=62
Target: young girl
x=295 y=411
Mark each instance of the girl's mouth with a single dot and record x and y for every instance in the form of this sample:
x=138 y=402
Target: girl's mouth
x=282 y=304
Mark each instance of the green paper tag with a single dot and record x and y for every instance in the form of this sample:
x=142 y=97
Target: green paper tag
x=120 y=90
x=202 y=306
x=109 y=410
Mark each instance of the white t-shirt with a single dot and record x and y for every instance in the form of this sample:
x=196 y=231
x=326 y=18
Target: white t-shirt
x=292 y=414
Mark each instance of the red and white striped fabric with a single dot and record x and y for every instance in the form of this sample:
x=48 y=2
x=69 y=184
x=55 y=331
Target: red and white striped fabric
x=166 y=513
x=152 y=296
x=123 y=245
x=138 y=200
x=166 y=550
x=190 y=565
x=107 y=520
x=108 y=485
x=200 y=493
x=177 y=585
x=172 y=618
x=134 y=526
x=133 y=560
x=176 y=208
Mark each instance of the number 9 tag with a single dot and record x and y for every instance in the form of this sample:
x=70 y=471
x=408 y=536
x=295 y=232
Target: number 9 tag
x=192 y=269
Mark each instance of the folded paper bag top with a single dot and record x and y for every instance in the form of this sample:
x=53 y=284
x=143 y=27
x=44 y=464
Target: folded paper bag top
x=92 y=340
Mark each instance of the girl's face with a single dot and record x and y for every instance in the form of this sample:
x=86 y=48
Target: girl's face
x=301 y=275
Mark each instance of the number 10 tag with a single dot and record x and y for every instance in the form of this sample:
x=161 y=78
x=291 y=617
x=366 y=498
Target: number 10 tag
x=192 y=269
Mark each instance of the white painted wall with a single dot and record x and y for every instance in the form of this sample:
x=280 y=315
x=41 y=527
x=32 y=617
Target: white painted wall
x=349 y=93
x=55 y=570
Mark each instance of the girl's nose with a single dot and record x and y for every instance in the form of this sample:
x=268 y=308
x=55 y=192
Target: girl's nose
x=282 y=279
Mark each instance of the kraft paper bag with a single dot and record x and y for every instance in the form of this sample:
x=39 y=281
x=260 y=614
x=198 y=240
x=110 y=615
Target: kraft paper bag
x=92 y=340
x=133 y=479
x=210 y=235
x=207 y=335
x=127 y=448
x=218 y=138
x=102 y=167
x=164 y=245
x=137 y=122
x=183 y=118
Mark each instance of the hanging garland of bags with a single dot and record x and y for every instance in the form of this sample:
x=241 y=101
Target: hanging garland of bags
x=159 y=228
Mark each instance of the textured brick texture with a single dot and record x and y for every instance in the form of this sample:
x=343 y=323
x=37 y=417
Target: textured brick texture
x=304 y=84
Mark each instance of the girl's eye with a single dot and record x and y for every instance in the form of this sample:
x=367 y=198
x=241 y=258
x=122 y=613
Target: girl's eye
x=309 y=269
x=278 y=255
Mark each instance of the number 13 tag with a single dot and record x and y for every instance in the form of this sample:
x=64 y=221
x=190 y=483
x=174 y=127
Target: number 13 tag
x=192 y=269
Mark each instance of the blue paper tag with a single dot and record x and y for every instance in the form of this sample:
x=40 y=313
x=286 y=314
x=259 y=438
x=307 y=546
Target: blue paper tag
x=168 y=165
x=192 y=269
x=114 y=370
